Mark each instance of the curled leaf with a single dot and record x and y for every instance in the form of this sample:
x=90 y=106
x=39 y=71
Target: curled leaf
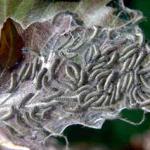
x=10 y=45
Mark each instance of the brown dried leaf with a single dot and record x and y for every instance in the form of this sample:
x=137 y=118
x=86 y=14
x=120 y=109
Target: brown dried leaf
x=10 y=44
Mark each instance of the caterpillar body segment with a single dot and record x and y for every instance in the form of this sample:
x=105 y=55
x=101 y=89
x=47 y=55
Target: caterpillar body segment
x=125 y=65
x=139 y=59
x=112 y=59
x=129 y=48
x=34 y=68
x=53 y=67
x=128 y=55
x=8 y=115
x=22 y=71
x=125 y=82
x=99 y=101
x=40 y=77
x=13 y=82
x=25 y=99
x=83 y=78
x=28 y=72
x=132 y=62
x=103 y=74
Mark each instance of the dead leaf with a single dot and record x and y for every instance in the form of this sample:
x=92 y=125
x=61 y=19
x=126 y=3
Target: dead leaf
x=10 y=45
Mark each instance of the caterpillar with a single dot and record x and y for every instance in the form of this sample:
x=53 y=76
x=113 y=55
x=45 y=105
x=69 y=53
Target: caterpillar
x=9 y=114
x=53 y=96
x=127 y=55
x=128 y=48
x=28 y=72
x=13 y=82
x=94 y=33
x=83 y=78
x=22 y=71
x=25 y=99
x=39 y=78
x=34 y=68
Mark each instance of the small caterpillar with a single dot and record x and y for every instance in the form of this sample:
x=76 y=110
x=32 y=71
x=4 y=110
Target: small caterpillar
x=109 y=49
x=82 y=88
x=25 y=99
x=144 y=82
x=136 y=76
x=8 y=115
x=53 y=67
x=68 y=55
x=27 y=73
x=64 y=44
x=45 y=82
x=145 y=103
x=76 y=68
x=113 y=58
x=53 y=96
x=13 y=82
x=110 y=89
x=135 y=95
x=69 y=45
x=144 y=70
x=13 y=130
x=93 y=74
x=89 y=102
x=82 y=95
x=118 y=89
x=83 y=77
x=70 y=85
x=29 y=122
x=70 y=73
x=34 y=68
x=143 y=97
x=101 y=59
x=132 y=62
x=127 y=55
x=77 y=46
x=45 y=111
x=19 y=120
x=102 y=75
x=125 y=65
x=109 y=79
x=131 y=100
x=95 y=50
x=128 y=48
x=125 y=82
x=98 y=66
x=94 y=33
x=107 y=100
x=32 y=114
x=112 y=98
x=146 y=75
x=90 y=95
x=22 y=71
x=99 y=101
x=88 y=55
x=130 y=81
x=139 y=59
x=100 y=84
x=88 y=67
x=39 y=78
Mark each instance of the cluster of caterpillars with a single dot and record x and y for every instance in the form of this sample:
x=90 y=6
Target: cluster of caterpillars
x=96 y=69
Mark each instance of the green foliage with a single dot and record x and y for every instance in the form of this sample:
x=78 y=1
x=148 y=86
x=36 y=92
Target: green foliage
x=144 y=6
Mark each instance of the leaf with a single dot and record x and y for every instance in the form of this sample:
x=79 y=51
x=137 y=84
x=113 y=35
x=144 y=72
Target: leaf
x=28 y=11
x=36 y=35
x=10 y=44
